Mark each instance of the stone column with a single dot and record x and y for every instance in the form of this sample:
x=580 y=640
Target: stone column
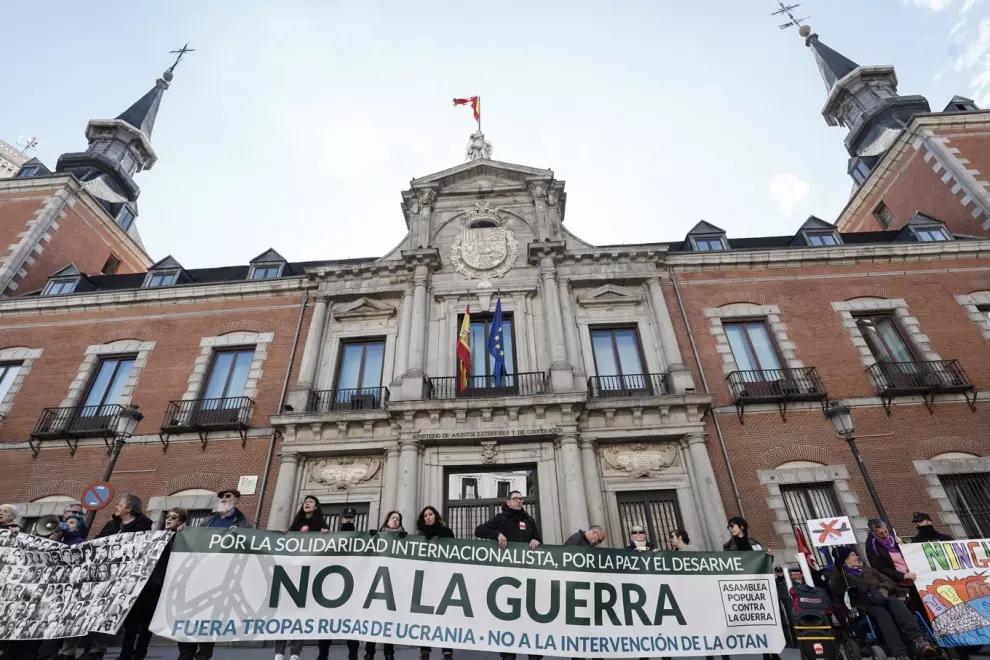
x=407 y=499
x=402 y=336
x=572 y=344
x=560 y=372
x=592 y=482
x=298 y=396
x=679 y=378
x=283 y=500
x=575 y=503
x=412 y=386
x=390 y=478
x=706 y=488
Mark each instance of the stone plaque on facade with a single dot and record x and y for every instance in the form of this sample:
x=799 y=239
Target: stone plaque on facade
x=492 y=433
x=344 y=472
x=640 y=460
x=486 y=248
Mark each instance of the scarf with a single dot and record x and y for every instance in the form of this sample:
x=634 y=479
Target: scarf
x=429 y=531
x=742 y=543
x=889 y=543
x=855 y=570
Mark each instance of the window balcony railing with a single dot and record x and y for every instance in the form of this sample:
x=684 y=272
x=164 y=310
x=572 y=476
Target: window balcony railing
x=926 y=378
x=349 y=399
x=630 y=385
x=485 y=387
x=204 y=415
x=779 y=386
x=73 y=422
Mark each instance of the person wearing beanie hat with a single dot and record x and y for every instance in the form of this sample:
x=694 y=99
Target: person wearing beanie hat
x=875 y=593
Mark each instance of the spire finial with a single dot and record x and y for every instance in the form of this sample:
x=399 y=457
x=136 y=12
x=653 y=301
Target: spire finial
x=786 y=10
x=180 y=53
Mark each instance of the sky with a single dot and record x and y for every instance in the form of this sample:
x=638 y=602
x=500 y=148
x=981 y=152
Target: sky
x=296 y=125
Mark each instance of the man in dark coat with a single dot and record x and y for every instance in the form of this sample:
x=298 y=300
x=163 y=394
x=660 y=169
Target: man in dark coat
x=227 y=514
x=594 y=536
x=512 y=524
x=926 y=529
x=127 y=517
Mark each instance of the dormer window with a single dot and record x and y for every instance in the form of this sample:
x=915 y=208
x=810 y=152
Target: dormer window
x=162 y=278
x=860 y=172
x=60 y=287
x=931 y=235
x=125 y=218
x=29 y=170
x=822 y=239
x=709 y=244
x=966 y=107
x=265 y=271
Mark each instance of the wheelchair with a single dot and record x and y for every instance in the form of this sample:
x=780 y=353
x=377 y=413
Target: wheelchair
x=859 y=636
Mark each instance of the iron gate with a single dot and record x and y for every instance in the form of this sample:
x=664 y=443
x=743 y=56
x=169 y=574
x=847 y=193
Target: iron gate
x=465 y=509
x=806 y=502
x=657 y=510
x=331 y=514
x=970 y=497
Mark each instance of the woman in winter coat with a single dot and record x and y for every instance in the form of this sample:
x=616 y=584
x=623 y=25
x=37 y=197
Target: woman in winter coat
x=431 y=525
x=639 y=541
x=739 y=539
x=308 y=519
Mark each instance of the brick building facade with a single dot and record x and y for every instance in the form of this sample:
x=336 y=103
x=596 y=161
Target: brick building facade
x=668 y=383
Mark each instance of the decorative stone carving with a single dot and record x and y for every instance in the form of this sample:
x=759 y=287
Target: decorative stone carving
x=478 y=147
x=640 y=460
x=489 y=452
x=344 y=472
x=486 y=249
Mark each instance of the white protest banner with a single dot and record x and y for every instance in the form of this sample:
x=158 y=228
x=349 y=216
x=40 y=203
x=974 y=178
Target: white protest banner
x=575 y=602
x=955 y=588
x=836 y=530
x=49 y=590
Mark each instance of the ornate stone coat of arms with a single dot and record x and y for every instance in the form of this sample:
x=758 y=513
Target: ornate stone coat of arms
x=486 y=249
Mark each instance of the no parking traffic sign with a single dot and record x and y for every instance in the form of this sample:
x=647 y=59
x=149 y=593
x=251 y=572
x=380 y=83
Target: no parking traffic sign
x=96 y=496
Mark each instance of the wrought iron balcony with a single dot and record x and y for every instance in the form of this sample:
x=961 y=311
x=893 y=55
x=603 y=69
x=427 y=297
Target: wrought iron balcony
x=926 y=378
x=347 y=400
x=485 y=387
x=779 y=386
x=204 y=415
x=630 y=385
x=73 y=422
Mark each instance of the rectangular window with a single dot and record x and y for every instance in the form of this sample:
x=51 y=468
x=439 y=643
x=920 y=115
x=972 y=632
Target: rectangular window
x=30 y=170
x=469 y=488
x=618 y=359
x=361 y=364
x=502 y=489
x=482 y=363
x=125 y=218
x=60 y=287
x=970 y=497
x=708 y=244
x=820 y=240
x=931 y=235
x=471 y=494
x=333 y=514
x=8 y=372
x=884 y=215
x=884 y=339
x=806 y=502
x=265 y=272
x=657 y=511
x=112 y=265
x=107 y=386
x=752 y=346
x=162 y=279
x=228 y=374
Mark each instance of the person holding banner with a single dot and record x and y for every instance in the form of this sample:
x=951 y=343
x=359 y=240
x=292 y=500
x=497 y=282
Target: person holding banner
x=512 y=524
x=431 y=525
x=392 y=523
x=639 y=541
x=884 y=554
x=308 y=519
x=741 y=541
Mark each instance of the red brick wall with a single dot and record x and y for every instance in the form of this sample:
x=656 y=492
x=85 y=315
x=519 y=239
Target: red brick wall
x=16 y=209
x=143 y=468
x=764 y=440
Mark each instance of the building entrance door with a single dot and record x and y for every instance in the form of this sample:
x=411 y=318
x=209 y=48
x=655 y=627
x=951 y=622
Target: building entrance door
x=475 y=494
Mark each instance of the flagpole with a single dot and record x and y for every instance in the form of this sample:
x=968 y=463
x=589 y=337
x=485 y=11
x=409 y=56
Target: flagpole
x=479 y=114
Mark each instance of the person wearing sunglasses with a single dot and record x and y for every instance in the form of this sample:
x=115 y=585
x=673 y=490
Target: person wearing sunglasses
x=639 y=540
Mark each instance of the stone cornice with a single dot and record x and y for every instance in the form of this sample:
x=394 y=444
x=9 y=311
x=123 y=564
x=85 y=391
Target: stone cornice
x=619 y=254
x=841 y=255
x=183 y=293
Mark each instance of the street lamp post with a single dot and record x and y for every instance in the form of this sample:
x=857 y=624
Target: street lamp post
x=127 y=422
x=841 y=417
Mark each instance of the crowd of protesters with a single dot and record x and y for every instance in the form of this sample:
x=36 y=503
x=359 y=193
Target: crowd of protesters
x=887 y=574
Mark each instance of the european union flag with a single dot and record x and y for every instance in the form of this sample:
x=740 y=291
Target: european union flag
x=496 y=347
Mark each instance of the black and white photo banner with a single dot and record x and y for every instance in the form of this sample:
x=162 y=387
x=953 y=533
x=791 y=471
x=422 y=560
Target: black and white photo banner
x=50 y=590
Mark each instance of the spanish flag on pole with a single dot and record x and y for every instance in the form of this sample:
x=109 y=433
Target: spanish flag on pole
x=475 y=103
x=464 y=352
